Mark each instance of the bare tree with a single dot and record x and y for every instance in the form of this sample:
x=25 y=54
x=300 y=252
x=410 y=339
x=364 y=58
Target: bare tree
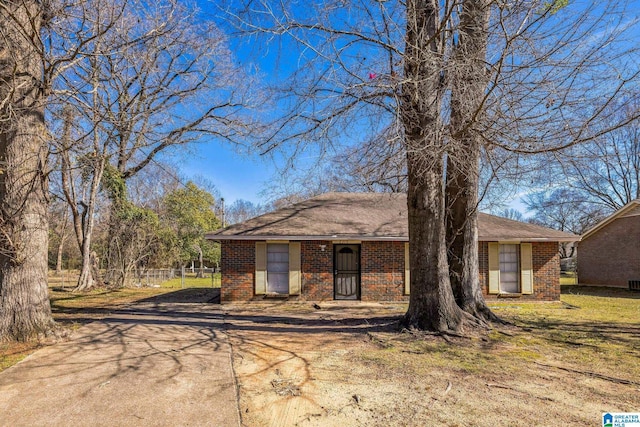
x=577 y=188
x=513 y=214
x=242 y=210
x=376 y=165
x=566 y=210
x=462 y=78
x=604 y=172
x=469 y=82
x=60 y=229
x=150 y=78
x=24 y=300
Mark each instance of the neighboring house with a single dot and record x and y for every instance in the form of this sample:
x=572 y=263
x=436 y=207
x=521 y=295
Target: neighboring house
x=354 y=246
x=609 y=253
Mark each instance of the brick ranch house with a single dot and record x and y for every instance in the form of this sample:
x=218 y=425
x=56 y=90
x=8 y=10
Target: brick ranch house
x=354 y=246
x=609 y=253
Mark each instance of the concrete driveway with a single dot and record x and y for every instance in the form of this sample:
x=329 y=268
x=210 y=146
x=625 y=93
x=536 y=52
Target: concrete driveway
x=166 y=364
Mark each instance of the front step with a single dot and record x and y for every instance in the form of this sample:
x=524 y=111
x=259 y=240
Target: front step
x=276 y=296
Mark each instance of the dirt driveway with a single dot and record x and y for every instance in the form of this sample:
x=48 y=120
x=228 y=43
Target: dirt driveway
x=153 y=364
x=297 y=365
x=168 y=362
x=346 y=365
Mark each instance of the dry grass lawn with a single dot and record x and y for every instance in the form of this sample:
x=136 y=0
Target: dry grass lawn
x=347 y=364
x=560 y=364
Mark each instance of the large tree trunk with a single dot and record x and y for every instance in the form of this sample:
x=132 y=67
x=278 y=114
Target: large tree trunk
x=468 y=86
x=24 y=301
x=462 y=240
x=431 y=304
x=88 y=276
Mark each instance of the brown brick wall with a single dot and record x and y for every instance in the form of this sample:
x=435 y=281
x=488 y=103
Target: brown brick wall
x=317 y=271
x=237 y=263
x=546 y=271
x=382 y=271
x=611 y=256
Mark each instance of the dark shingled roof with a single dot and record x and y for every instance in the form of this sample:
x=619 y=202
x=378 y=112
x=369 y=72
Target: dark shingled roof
x=366 y=216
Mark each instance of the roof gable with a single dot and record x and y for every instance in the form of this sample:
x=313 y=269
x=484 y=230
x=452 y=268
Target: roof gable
x=366 y=216
x=630 y=209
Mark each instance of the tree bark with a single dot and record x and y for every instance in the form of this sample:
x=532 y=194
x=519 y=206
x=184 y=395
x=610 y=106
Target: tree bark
x=431 y=304
x=59 y=253
x=89 y=274
x=62 y=231
x=25 y=312
x=200 y=262
x=114 y=275
x=468 y=86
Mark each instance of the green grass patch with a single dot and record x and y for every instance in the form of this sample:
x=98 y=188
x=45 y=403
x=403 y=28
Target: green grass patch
x=568 y=280
x=69 y=279
x=191 y=281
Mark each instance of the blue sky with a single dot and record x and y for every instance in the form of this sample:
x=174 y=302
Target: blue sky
x=246 y=176
x=242 y=176
x=236 y=176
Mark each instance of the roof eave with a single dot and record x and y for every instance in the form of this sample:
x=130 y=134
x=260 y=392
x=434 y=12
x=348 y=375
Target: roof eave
x=218 y=237
x=312 y=238
x=566 y=239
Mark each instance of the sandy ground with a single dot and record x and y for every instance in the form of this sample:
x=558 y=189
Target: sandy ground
x=347 y=366
x=161 y=364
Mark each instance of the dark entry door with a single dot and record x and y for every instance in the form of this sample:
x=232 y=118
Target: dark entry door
x=347 y=271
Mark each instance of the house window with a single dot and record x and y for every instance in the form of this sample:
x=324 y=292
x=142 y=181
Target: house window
x=278 y=268
x=509 y=269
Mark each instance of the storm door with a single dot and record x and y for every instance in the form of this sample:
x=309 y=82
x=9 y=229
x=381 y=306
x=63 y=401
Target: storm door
x=278 y=268
x=509 y=269
x=347 y=271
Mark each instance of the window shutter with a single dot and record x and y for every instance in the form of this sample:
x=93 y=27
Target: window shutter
x=407 y=270
x=261 y=268
x=494 y=268
x=295 y=278
x=526 y=268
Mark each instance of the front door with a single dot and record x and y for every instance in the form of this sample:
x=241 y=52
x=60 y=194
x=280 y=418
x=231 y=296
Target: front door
x=278 y=268
x=347 y=271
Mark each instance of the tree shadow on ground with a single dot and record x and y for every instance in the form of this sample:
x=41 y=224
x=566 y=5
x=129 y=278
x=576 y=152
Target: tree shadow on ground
x=189 y=295
x=84 y=315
